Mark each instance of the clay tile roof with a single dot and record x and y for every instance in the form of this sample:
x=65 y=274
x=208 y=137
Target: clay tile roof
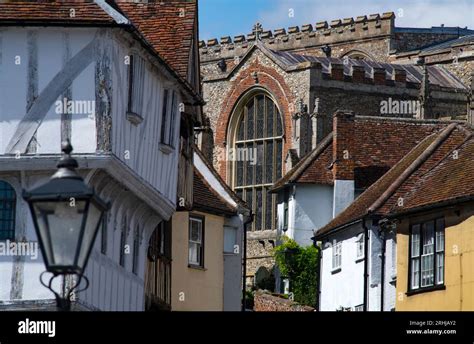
x=379 y=143
x=54 y=12
x=447 y=176
x=208 y=200
x=427 y=175
x=168 y=27
x=224 y=185
x=359 y=207
x=313 y=168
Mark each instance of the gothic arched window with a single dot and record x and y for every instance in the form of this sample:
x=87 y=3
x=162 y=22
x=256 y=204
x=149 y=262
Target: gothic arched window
x=7 y=211
x=257 y=160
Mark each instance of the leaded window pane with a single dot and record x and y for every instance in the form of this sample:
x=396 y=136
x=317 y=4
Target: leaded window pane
x=239 y=194
x=279 y=147
x=270 y=119
x=269 y=161
x=279 y=128
x=249 y=198
x=259 y=125
x=250 y=120
x=258 y=166
x=250 y=167
x=258 y=222
x=240 y=168
x=241 y=130
x=260 y=119
x=268 y=209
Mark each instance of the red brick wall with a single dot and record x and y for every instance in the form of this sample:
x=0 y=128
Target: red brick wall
x=343 y=143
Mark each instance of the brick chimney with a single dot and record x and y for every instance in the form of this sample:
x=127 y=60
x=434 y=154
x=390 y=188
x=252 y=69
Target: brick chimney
x=343 y=160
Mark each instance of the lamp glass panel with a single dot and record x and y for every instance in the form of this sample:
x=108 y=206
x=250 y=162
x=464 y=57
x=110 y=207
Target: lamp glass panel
x=92 y=224
x=59 y=227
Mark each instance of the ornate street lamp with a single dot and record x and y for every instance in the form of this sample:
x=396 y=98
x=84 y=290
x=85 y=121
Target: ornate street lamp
x=66 y=214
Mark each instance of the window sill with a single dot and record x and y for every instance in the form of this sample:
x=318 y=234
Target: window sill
x=134 y=118
x=425 y=290
x=336 y=270
x=196 y=267
x=166 y=149
x=360 y=259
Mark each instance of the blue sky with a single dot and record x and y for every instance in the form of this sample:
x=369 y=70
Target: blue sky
x=232 y=17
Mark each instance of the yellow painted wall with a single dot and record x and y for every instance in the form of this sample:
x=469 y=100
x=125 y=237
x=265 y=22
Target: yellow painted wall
x=459 y=266
x=203 y=289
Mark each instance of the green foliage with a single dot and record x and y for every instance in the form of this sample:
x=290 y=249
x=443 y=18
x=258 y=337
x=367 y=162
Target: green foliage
x=249 y=299
x=299 y=265
x=267 y=283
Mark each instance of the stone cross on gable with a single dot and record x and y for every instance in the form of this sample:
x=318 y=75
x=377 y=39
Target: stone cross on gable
x=257 y=30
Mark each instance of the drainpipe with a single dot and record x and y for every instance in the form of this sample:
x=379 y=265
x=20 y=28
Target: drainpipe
x=385 y=225
x=366 y=264
x=382 y=273
x=318 y=275
x=244 y=260
x=318 y=285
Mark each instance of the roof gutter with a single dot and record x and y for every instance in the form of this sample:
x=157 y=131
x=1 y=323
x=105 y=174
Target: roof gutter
x=337 y=229
x=432 y=206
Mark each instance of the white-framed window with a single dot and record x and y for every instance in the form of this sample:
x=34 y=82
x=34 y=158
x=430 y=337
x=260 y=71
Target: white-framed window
x=196 y=241
x=336 y=255
x=230 y=239
x=427 y=254
x=360 y=247
x=169 y=113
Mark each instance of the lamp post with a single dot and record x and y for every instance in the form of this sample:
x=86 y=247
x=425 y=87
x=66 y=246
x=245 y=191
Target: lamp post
x=66 y=214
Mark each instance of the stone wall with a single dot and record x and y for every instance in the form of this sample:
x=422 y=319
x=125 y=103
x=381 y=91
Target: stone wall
x=303 y=38
x=260 y=246
x=264 y=302
x=258 y=71
x=404 y=41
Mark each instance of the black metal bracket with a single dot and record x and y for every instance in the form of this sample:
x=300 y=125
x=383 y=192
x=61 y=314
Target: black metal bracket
x=63 y=300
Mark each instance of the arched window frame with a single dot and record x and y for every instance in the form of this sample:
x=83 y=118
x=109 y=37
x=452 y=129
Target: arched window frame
x=8 y=205
x=358 y=55
x=233 y=141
